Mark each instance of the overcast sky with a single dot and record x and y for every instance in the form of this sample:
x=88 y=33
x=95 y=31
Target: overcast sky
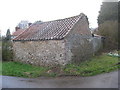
x=13 y=11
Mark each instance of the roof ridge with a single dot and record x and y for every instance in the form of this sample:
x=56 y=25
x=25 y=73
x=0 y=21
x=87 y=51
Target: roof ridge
x=56 y=29
x=63 y=18
x=74 y=24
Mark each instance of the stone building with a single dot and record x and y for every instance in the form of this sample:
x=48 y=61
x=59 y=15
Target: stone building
x=55 y=42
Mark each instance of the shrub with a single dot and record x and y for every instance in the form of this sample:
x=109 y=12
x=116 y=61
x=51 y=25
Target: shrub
x=109 y=29
x=7 y=52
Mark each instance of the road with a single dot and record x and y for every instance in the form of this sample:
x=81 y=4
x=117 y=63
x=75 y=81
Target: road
x=107 y=80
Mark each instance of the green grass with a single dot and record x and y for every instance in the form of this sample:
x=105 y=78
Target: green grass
x=0 y=67
x=22 y=70
x=97 y=65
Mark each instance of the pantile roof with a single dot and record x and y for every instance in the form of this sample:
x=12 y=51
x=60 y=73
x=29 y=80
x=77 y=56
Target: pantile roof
x=56 y=29
x=19 y=31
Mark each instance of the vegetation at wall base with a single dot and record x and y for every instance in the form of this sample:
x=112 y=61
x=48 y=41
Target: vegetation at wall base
x=7 y=52
x=22 y=70
x=97 y=65
x=7 y=48
x=0 y=67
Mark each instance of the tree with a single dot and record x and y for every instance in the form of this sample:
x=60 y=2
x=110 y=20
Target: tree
x=108 y=24
x=119 y=24
x=109 y=11
x=8 y=35
x=119 y=12
x=7 y=52
x=109 y=29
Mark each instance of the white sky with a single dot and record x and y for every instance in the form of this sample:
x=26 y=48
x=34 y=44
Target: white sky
x=13 y=11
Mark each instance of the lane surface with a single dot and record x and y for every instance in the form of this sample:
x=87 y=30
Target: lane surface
x=108 y=80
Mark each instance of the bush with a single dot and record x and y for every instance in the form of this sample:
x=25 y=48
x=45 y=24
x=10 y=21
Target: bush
x=7 y=52
x=109 y=29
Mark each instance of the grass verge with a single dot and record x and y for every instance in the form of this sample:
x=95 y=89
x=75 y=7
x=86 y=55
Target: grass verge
x=0 y=67
x=22 y=70
x=97 y=65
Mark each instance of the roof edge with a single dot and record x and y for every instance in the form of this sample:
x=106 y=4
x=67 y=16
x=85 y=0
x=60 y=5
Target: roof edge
x=79 y=17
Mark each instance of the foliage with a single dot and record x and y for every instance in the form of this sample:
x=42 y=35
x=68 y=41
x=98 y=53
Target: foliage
x=0 y=50
x=108 y=24
x=8 y=35
x=109 y=29
x=119 y=11
x=7 y=52
x=109 y=11
x=0 y=68
x=22 y=70
x=97 y=65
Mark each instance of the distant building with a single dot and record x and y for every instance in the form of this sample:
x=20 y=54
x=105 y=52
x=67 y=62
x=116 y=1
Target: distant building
x=20 y=28
x=23 y=24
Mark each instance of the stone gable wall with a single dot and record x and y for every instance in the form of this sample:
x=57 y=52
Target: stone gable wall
x=97 y=44
x=80 y=47
x=80 y=43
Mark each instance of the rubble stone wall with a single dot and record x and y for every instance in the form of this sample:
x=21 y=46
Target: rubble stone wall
x=43 y=53
x=78 y=42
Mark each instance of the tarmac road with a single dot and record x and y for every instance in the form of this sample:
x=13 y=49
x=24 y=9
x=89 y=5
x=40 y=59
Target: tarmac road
x=107 y=80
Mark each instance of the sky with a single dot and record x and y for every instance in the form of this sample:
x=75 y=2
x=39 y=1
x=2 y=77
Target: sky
x=13 y=11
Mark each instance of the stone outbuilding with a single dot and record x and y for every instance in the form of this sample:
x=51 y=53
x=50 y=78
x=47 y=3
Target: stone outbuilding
x=55 y=42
